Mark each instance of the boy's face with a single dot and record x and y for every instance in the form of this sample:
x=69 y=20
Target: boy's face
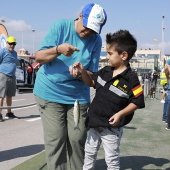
x=114 y=58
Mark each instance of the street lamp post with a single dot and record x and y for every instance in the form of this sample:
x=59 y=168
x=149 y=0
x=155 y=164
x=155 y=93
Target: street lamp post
x=163 y=29
x=33 y=42
x=21 y=38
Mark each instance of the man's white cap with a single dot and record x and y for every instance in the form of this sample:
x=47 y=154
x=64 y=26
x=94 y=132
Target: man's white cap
x=94 y=17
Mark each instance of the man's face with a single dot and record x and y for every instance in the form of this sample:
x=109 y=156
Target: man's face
x=10 y=46
x=82 y=30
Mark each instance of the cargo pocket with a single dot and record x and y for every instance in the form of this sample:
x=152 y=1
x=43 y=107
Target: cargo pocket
x=41 y=104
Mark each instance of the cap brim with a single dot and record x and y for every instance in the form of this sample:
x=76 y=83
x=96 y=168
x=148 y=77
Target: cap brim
x=11 y=41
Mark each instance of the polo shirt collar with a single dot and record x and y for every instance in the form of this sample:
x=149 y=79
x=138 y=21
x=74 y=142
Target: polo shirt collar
x=123 y=74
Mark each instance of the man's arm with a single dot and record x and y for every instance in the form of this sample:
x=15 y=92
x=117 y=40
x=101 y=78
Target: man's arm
x=47 y=55
x=166 y=69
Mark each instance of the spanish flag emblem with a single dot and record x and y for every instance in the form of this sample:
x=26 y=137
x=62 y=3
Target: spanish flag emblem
x=137 y=91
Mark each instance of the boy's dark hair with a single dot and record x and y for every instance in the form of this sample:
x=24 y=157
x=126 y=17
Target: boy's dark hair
x=122 y=40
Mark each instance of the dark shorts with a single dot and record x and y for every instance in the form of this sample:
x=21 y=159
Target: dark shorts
x=7 y=85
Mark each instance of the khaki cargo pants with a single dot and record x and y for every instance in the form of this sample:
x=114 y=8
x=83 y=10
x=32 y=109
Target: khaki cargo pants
x=60 y=136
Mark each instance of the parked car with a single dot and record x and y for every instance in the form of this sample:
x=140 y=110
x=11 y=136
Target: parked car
x=25 y=74
x=34 y=63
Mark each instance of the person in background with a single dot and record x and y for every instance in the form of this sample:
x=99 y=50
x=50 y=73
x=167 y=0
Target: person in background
x=163 y=95
x=56 y=90
x=8 y=58
x=166 y=102
x=118 y=95
x=143 y=77
x=154 y=78
x=149 y=76
x=163 y=83
x=167 y=72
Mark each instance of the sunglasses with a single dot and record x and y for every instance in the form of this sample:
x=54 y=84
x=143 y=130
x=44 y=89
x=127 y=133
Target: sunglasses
x=12 y=43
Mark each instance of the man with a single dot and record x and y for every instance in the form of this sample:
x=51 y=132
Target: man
x=8 y=59
x=56 y=90
x=154 y=78
x=149 y=76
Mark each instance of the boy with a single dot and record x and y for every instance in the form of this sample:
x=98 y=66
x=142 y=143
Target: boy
x=118 y=95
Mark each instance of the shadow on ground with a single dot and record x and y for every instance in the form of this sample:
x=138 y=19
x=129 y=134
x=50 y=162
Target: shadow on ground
x=25 y=90
x=20 y=152
x=30 y=116
x=135 y=163
x=24 y=117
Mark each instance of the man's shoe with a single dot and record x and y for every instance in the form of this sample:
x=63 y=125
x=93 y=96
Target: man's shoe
x=11 y=115
x=1 y=118
x=167 y=127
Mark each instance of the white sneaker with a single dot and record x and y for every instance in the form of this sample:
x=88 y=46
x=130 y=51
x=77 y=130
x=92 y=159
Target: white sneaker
x=162 y=101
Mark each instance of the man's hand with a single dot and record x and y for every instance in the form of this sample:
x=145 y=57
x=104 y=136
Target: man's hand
x=67 y=49
x=46 y=55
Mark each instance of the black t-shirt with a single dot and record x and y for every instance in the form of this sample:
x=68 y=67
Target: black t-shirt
x=155 y=76
x=112 y=95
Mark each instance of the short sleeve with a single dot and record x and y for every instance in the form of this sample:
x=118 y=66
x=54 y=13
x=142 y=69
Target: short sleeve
x=137 y=96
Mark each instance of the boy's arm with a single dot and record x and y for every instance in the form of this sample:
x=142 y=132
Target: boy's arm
x=115 y=119
x=87 y=79
x=136 y=100
x=78 y=70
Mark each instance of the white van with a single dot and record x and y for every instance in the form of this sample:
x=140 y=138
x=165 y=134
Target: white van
x=25 y=74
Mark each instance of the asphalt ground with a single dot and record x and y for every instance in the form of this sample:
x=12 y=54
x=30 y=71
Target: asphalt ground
x=145 y=144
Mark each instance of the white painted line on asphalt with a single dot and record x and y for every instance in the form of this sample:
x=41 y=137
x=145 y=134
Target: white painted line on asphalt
x=18 y=100
x=25 y=107
x=26 y=94
x=15 y=100
x=33 y=119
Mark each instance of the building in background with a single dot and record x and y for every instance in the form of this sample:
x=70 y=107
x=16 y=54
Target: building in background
x=147 y=59
x=143 y=60
x=22 y=53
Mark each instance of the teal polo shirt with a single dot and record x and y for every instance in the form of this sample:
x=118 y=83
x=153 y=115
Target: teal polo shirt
x=54 y=82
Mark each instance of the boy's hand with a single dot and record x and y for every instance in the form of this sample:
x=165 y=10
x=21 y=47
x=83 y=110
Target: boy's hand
x=76 y=69
x=115 y=119
x=72 y=71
